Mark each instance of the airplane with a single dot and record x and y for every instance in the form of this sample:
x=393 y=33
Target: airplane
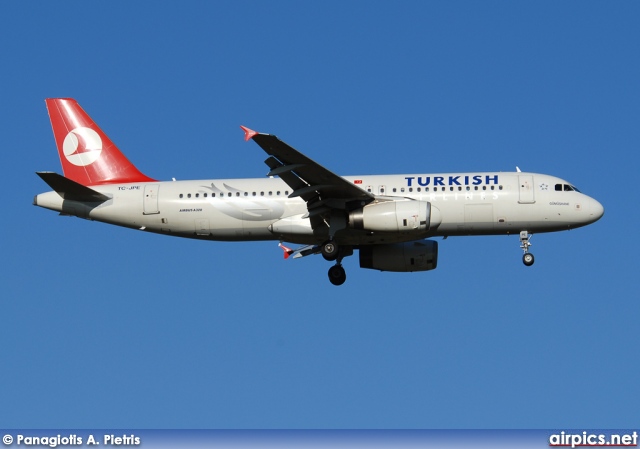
x=390 y=220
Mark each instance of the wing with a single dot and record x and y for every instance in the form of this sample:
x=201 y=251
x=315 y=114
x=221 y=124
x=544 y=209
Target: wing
x=323 y=190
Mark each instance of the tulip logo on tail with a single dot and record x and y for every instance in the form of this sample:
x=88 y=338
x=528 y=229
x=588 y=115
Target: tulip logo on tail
x=82 y=146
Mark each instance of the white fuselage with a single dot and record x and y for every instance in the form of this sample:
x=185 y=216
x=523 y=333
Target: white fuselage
x=260 y=209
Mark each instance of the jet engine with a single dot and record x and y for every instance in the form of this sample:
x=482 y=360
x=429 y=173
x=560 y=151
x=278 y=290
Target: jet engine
x=395 y=216
x=401 y=257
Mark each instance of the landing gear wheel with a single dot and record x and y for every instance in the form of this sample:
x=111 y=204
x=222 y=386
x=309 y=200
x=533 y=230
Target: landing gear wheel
x=528 y=259
x=330 y=251
x=337 y=275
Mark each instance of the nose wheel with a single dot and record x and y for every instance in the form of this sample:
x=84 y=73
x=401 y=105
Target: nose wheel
x=527 y=257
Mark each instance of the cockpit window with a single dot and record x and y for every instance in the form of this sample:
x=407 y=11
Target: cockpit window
x=566 y=188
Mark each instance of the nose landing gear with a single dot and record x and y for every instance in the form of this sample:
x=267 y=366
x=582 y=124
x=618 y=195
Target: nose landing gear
x=527 y=257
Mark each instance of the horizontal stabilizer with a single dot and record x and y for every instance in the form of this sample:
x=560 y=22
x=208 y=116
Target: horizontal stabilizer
x=299 y=252
x=71 y=190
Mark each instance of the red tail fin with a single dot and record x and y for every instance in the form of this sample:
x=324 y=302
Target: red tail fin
x=87 y=155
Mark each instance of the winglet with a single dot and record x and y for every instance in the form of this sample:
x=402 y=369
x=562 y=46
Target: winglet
x=248 y=133
x=287 y=251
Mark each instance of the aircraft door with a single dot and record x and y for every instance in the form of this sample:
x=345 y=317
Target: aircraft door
x=150 y=202
x=525 y=187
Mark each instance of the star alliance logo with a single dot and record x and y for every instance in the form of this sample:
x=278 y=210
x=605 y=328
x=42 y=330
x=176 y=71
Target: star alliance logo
x=544 y=186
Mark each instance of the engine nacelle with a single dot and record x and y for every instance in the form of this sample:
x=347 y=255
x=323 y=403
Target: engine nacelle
x=394 y=216
x=409 y=256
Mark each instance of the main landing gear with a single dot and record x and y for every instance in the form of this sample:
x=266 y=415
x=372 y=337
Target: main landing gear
x=337 y=275
x=527 y=257
x=331 y=251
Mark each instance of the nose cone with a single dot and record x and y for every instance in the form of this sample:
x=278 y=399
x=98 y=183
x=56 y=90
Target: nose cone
x=596 y=210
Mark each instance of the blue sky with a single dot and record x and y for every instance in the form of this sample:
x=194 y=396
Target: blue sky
x=106 y=327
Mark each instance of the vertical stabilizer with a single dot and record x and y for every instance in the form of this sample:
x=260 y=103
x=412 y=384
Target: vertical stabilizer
x=87 y=154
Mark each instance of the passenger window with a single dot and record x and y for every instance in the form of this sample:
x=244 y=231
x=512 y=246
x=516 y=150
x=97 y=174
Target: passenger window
x=270 y=193
x=246 y=193
x=468 y=188
x=254 y=193
x=181 y=195
x=229 y=194
x=237 y=193
x=394 y=190
x=188 y=195
x=261 y=193
x=484 y=187
x=410 y=189
x=197 y=195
